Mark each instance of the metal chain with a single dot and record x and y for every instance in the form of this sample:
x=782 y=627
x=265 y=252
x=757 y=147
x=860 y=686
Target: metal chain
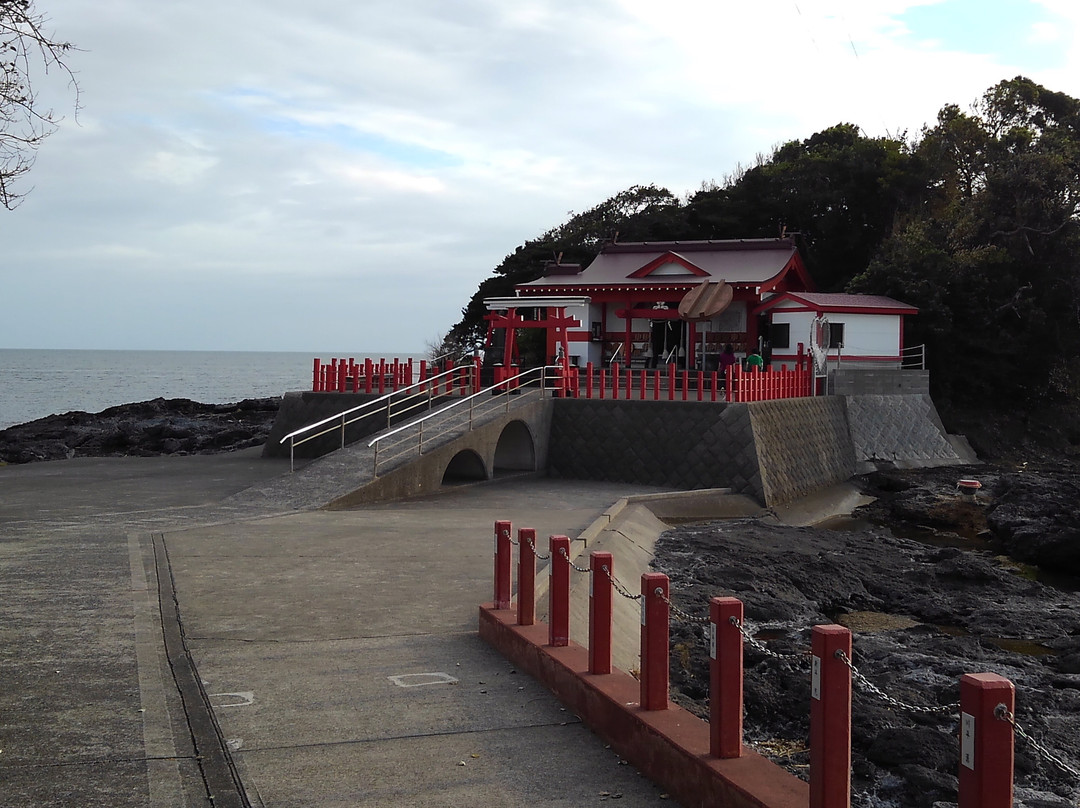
x=563 y=553
x=506 y=535
x=1002 y=713
x=622 y=590
x=802 y=656
x=533 y=548
x=946 y=709
x=677 y=611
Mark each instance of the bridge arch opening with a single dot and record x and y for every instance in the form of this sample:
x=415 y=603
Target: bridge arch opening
x=516 y=450
x=464 y=467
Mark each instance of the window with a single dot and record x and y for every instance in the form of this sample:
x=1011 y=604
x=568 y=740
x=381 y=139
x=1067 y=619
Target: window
x=780 y=335
x=836 y=335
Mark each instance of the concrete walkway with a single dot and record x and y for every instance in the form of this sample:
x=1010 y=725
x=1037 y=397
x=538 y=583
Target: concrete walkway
x=337 y=651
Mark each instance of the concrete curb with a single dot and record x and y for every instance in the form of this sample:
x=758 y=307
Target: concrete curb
x=670 y=747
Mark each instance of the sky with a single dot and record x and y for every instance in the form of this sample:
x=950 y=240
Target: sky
x=338 y=177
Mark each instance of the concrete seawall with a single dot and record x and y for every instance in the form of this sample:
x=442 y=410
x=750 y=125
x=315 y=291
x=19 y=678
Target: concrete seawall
x=772 y=451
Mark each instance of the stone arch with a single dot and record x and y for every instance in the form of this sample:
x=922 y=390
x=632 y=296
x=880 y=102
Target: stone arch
x=464 y=467
x=516 y=449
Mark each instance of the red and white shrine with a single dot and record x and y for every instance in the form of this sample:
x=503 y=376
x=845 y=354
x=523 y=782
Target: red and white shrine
x=650 y=304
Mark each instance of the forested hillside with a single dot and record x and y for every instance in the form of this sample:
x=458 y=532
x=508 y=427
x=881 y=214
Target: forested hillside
x=974 y=220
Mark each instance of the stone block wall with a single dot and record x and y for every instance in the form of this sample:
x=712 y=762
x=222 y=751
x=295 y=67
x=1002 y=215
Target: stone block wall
x=803 y=444
x=678 y=444
x=900 y=430
x=859 y=381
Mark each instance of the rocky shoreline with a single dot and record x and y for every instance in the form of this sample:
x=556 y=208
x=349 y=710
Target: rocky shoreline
x=933 y=583
x=177 y=426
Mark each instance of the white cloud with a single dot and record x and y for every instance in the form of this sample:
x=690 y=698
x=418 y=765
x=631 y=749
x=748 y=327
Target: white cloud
x=248 y=159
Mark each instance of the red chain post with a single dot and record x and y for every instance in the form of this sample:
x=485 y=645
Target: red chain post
x=655 y=637
x=502 y=564
x=725 y=678
x=986 y=741
x=315 y=373
x=526 y=603
x=830 y=718
x=600 y=596
x=559 y=592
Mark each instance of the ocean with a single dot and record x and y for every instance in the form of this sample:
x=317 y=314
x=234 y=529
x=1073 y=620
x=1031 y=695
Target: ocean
x=37 y=383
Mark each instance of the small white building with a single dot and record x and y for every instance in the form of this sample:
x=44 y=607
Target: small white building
x=866 y=330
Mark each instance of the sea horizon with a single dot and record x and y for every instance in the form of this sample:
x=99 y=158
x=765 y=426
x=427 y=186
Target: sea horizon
x=38 y=382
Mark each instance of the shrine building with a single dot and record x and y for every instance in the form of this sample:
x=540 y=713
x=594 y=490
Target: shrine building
x=651 y=304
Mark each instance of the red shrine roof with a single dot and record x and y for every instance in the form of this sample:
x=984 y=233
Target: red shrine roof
x=838 y=302
x=740 y=262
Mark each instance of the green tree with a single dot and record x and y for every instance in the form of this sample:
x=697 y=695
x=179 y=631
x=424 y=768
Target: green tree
x=26 y=53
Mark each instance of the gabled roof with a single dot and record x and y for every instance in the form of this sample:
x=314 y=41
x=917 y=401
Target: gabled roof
x=742 y=262
x=822 y=302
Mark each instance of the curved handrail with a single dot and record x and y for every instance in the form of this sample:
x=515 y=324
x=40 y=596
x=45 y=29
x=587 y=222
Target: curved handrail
x=338 y=419
x=504 y=388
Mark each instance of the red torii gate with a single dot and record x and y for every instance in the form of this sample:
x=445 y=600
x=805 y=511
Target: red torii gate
x=502 y=313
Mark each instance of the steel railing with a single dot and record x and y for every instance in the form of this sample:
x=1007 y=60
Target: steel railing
x=412 y=437
x=913 y=358
x=421 y=395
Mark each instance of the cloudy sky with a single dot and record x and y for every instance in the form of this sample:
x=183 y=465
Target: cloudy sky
x=333 y=176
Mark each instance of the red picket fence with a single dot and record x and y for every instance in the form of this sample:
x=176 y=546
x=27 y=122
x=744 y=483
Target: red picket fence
x=986 y=706
x=382 y=376
x=615 y=382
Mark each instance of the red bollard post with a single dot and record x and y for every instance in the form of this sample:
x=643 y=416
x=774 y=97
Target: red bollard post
x=830 y=718
x=559 y=592
x=986 y=741
x=369 y=373
x=655 y=637
x=316 y=372
x=502 y=564
x=601 y=569
x=526 y=605
x=725 y=678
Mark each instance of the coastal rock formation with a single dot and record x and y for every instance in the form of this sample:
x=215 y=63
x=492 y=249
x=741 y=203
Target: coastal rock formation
x=922 y=615
x=159 y=427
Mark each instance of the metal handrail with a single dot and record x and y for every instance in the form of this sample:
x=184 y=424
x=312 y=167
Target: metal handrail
x=615 y=355
x=503 y=389
x=913 y=358
x=340 y=422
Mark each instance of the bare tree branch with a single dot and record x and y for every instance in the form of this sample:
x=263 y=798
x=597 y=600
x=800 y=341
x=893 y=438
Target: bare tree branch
x=26 y=54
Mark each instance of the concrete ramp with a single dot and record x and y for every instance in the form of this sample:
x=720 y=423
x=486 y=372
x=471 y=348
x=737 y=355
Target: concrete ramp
x=902 y=430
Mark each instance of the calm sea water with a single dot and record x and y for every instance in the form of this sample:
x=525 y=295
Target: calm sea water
x=36 y=383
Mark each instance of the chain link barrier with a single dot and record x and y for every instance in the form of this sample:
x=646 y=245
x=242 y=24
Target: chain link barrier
x=1001 y=712
x=802 y=656
x=506 y=535
x=622 y=590
x=539 y=556
x=564 y=554
x=675 y=610
x=945 y=709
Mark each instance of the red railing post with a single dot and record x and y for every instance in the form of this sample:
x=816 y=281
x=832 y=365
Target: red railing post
x=725 y=678
x=986 y=741
x=423 y=375
x=655 y=637
x=503 y=558
x=526 y=604
x=671 y=381
x=559 y=592
x=603 y=381
x=714 y=383
x=656 y=385
x=369 y=373
x=588 y=379
x=601 y=569
x=701 y=385
x=629 y=381
x=615 y=381
x=343 y=368
x=316 y=371
x=830 y=718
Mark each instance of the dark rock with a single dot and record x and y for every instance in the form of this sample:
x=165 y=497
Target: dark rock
x=145 y=428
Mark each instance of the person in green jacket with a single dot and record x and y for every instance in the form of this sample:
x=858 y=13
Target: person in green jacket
x=754 y=360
